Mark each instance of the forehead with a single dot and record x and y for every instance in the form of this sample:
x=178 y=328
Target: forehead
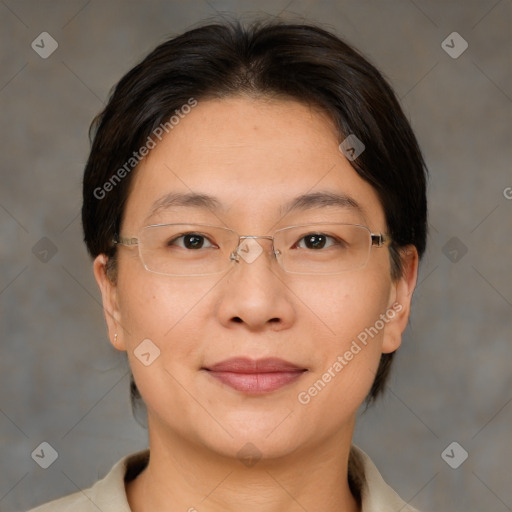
x=254 y=157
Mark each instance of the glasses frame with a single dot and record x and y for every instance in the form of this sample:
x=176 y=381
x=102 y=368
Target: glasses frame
x=376 y=240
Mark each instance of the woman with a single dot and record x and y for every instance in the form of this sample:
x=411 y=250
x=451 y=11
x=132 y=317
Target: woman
x=254 y=202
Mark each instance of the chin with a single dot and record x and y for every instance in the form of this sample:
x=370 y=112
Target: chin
x=249 y=448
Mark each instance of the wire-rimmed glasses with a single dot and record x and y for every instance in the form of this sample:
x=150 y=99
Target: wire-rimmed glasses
x=203 y=249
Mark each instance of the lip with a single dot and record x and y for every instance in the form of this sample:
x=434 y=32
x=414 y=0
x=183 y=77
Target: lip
x=255 y=376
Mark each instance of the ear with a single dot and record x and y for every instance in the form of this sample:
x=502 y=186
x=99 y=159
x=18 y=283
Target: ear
x=110 y=302
x=399 y=306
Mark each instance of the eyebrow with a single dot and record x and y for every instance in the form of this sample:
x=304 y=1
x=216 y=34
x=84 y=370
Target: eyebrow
x=300 y=203
x=191 y=200
x=321 y=200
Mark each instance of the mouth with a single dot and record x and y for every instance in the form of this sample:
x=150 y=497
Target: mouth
x=255 y=376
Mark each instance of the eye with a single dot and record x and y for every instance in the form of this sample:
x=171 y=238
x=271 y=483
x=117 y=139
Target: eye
x=317 y=241
x=191 y=241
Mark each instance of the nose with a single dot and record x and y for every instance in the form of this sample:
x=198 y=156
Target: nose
x=254 y=292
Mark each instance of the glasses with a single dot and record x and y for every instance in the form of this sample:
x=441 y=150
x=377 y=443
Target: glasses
x=202 y=249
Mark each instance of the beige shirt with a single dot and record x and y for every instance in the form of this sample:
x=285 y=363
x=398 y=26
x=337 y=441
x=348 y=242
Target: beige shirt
x=109 y=495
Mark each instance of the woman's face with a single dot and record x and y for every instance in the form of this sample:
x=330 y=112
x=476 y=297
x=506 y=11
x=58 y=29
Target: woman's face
x=253 y=157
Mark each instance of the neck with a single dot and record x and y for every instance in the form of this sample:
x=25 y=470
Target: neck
x=183 y=476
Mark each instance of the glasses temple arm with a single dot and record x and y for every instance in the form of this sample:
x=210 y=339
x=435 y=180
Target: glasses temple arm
x=122 y=240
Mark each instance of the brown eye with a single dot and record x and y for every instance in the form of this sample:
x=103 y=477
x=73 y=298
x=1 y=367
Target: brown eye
x=316 y=241
x=191 y=241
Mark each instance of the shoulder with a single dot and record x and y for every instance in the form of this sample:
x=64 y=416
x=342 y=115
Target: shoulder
x=376 y=495
x=107 y=495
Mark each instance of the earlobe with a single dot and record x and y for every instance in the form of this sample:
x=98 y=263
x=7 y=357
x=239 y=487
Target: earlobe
x=111 y=310
x=399 y=307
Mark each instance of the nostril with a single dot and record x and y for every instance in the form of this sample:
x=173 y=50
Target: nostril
x=237 y=319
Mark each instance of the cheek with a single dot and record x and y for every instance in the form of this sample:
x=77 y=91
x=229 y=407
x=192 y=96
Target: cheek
x=161 y=317
x=155 y=308
x=346 y=364
x=346 y=305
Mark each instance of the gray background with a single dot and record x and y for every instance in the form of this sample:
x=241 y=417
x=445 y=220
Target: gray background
x=61 y=382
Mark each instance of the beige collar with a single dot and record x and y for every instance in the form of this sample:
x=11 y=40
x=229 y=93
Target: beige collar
x=109 y=494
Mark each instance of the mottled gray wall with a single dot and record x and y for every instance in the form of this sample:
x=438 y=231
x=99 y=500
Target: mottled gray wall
x=62 y=383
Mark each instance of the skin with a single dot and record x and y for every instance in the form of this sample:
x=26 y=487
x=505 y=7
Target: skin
x=253 y=155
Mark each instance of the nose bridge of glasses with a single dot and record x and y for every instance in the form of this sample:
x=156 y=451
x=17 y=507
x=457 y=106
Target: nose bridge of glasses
x=249 y=248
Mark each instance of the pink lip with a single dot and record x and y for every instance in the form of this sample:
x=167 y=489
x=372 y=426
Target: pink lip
x=255 y=376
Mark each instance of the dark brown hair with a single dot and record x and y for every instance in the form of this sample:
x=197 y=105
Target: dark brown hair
x=277 y=59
